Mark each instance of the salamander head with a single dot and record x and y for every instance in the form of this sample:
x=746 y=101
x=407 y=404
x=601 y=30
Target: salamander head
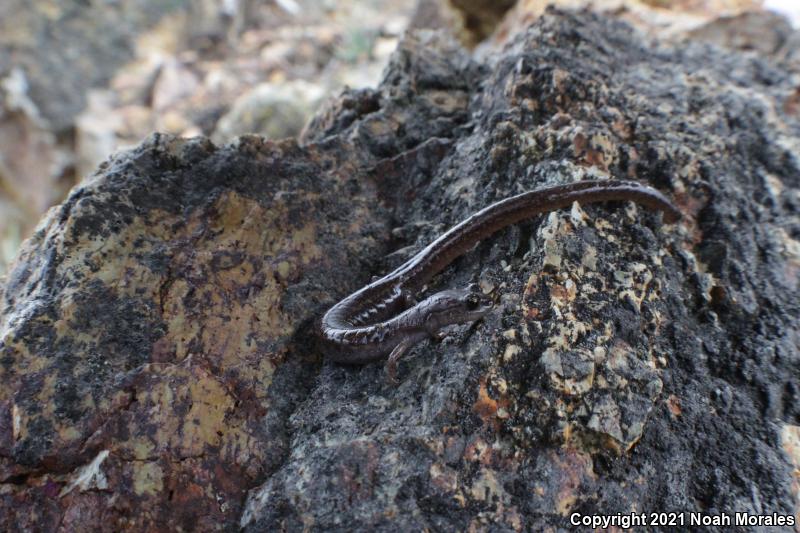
x=455 y=306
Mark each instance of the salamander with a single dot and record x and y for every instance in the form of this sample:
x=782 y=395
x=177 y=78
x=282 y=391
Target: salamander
x=383 y=319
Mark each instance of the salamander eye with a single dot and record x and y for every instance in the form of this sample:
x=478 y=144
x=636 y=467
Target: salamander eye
x=472 y=301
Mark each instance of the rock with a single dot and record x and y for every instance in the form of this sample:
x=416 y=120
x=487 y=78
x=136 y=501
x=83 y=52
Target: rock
x=52 y=57
x=151 y=265
x=67 y=49
x=95 y=132
x=671 y=20
x=158 y=351
x=273 y=111
x=471 y=21
x=480 y=17
x=763 y=31
x=174 y=83
x=12 y=223
x=32 y=164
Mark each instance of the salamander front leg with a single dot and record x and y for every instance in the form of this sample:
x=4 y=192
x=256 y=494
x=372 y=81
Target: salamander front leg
x=436 y=336
x=391 y=363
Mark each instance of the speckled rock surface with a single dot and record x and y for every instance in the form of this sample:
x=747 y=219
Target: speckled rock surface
x=157 y=356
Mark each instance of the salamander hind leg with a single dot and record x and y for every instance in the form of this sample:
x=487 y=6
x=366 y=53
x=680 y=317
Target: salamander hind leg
x=408 y=298
x=391 y=363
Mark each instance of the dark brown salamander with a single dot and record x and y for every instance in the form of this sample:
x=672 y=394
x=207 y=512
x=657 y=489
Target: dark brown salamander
x=383 y=318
